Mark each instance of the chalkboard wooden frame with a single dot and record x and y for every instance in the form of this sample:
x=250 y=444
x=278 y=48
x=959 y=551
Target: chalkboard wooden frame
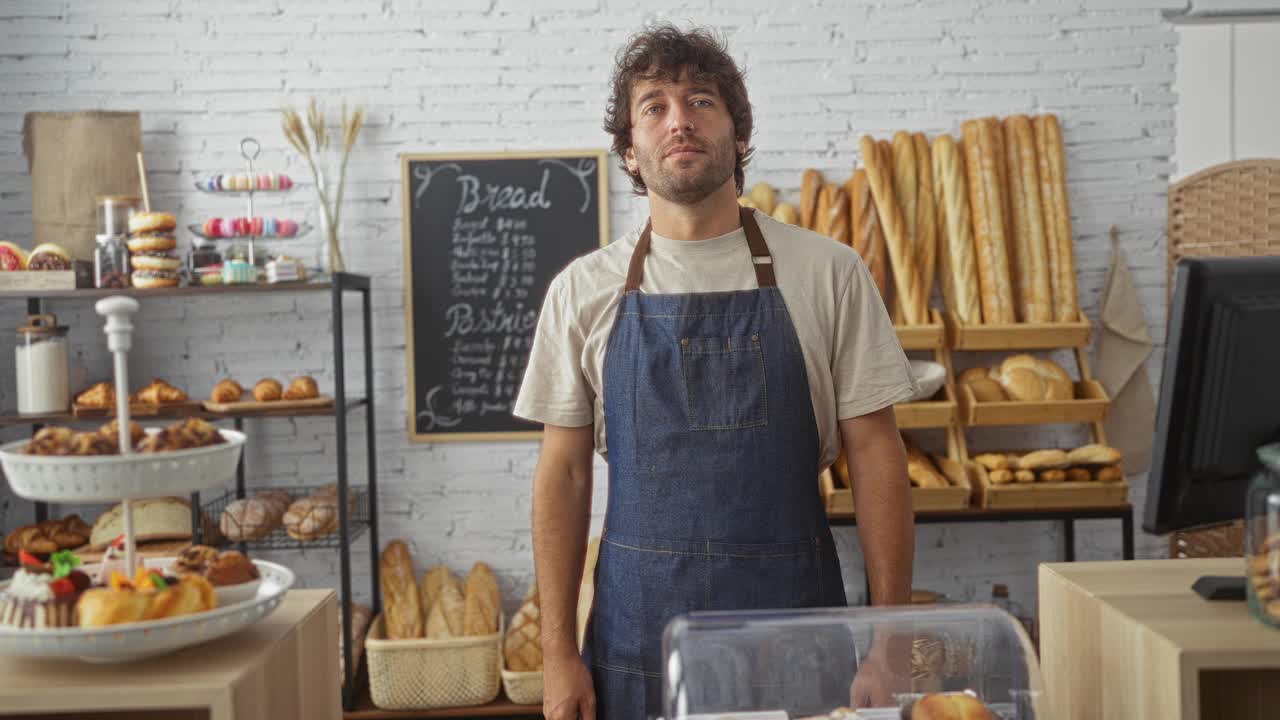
x=602 y=192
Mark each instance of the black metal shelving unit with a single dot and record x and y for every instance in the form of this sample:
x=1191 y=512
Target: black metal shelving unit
x=356 y=517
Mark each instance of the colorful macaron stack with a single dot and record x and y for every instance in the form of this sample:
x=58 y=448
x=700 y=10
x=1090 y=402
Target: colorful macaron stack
x=152 y=250
x=239 y=182
x=249 y=227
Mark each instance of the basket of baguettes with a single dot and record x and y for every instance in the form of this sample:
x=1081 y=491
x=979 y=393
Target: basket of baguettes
x=440 y=643
x=985 y=217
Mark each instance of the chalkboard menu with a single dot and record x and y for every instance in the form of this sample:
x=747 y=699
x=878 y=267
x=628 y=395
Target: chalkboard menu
x=483 y=236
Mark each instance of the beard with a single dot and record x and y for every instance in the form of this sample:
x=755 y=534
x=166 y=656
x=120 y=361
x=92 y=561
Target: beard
x=687 y=181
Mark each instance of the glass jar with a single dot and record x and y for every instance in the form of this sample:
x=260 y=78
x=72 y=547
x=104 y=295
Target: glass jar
x=111 y=262
x=1262 y=538
x=114 y=212
x=41 y=360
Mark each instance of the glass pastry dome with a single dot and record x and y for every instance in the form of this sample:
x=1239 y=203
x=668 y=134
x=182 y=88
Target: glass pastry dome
x=791 y=664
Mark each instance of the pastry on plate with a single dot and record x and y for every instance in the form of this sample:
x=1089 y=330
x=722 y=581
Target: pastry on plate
x=50 y=441
x=267 y=390
x=302 y=388
x=150 y=596
x=43 y=595
x=229 y=567
x=226 y=391
x=160 y=392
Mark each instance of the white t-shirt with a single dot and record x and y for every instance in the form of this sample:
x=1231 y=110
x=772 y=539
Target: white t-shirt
x=852 y=357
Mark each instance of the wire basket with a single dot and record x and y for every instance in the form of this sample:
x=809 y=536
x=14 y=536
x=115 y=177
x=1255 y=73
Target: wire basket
x=276 y=538
x=424 y=674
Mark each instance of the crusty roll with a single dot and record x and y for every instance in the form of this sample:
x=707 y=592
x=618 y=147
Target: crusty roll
x=302 y=388
x=957 y=264
x=1029 y=260
x=950 y=706
x=810 y=188
x=982 y=165
x=906 y=279
x=226 y=391
x=868 y=236
x=401 y=604
x=267 y=390
x=926 y=219
x=1057 y=217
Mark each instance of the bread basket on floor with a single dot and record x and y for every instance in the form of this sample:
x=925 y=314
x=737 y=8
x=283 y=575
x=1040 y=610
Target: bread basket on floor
x=424 y=674
x=523 y=688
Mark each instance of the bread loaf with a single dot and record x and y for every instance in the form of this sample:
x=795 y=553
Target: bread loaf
x=1079 y=474
x=1052 y=475
x=1057 y=215
x=1094 y=454
x=1028 y=250
x=906 y=186
x=765 y=197
x=1043 y=460
x=867 y=235
x=167 y=518
x=1000 y=477
x=949 y=706
x=987 y=390
x=1024 y=476
x=522 y=647
x=906 y=278
x=311 y=518
x=957 y=265
x=401 y=605
x=787 y=213
x=447 y=618
x=482 y=601
x=982 y=165
x=926 y=220
x=920 y=468
x=811 y=184
x=837 y=223
x=250 y=519
x=432 y=582
x=1028 y=378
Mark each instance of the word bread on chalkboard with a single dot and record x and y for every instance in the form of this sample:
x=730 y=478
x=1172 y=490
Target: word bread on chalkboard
x=484 y=236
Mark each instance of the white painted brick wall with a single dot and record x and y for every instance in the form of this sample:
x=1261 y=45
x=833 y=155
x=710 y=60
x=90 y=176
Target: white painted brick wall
x=462 y=75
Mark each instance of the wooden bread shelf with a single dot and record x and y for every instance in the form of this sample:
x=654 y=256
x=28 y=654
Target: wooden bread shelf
x=1031 y=496
x=923 y=337
x=1089 y=406
x=839 y=501
x=926 y=414
x=1017 y=336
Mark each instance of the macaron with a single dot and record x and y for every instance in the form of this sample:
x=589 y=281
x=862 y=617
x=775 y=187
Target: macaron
x=285 y=182
x=255 y=226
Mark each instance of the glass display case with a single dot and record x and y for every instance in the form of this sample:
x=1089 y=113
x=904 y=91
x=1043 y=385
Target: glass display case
x=790 y=664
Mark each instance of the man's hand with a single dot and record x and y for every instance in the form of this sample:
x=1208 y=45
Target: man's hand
x=567 y=691
x=883 y=672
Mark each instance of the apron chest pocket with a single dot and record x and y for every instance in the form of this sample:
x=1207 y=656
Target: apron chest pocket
x=724 y=382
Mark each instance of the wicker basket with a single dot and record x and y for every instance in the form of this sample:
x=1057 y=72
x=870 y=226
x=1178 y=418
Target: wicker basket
x=426 y=674
x=523 y=688
x=1222 y=540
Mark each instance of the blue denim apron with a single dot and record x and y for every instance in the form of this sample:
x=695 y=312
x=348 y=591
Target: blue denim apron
x=713 y=466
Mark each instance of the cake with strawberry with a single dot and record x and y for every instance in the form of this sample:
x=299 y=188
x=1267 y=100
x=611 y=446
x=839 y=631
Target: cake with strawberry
x=43 y=595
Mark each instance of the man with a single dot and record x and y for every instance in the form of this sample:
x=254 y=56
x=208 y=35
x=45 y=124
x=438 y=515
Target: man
x=718 y=359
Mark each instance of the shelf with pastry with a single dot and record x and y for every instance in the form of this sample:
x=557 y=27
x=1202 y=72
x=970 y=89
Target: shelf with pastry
x=1084 y=477
x=1027 y=390
x=293 y=518
x=938 y=481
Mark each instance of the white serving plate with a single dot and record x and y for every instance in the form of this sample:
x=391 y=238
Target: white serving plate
x=929 y=376
x=109 y=478
x=135 y=641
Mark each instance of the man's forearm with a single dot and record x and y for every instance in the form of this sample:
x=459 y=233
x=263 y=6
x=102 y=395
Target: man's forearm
x=882 y=496
x=561 y=516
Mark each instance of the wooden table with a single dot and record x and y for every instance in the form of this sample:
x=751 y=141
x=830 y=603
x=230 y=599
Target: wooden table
x=283 y=668
x=1130 y=640
x=500 y=709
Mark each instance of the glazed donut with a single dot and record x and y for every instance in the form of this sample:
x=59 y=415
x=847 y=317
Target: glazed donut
x=155 y=262
x=145 y=279
x=152 y=243
x=152 y=221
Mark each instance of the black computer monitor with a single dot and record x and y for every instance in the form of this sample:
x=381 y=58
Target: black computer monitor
x=1219 y=392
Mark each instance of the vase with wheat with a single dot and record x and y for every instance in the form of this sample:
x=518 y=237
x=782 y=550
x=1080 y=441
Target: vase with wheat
x=314 y=150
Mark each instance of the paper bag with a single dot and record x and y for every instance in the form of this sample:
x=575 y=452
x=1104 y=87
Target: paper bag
x=74 y=157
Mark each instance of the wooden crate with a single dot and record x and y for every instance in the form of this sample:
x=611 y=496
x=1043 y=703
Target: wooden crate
x=1017 y=336
x=927 y=414
x=923 y=337
x=1037 y=495
x=839 y=501
x=1089 y=406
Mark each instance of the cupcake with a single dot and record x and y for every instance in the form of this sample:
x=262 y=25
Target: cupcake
x=43 y=596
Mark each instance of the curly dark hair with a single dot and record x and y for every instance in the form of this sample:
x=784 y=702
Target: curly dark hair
x=663 y=52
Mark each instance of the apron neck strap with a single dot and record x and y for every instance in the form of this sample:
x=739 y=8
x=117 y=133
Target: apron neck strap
x=761 y=260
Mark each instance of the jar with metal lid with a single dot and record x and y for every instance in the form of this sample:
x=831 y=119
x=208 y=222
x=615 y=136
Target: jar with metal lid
x=111 y=262
x=41 y=360
x=114 y=212
x=1262 y=538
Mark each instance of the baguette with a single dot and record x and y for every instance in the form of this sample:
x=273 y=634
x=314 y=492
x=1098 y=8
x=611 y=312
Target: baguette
x=765 y=197
x=822 y=214
x=955 y=244
x=982 y=167
x=787 y=213
x=899 y=313
x=903 y=168
x=811 y=184
x=920 y=469
x=447 y=618
x=926 y=219
x=482 y=603
x=906 y=278
x=868 y=235
x=432 y=582
x=402 y=606
x=1028 y=249
x=840 y=225
x=1057 y=216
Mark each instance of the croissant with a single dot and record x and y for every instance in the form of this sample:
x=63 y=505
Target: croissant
x=160 y=392
x=51 y=441
x=226 y=391
x=93 y=443
x=102 y=395
x=267 y=390
x=302 y=388
x=112 y=431
x=106 y=606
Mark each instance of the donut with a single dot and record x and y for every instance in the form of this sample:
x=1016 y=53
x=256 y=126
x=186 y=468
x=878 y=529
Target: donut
x=167 y=262
x=154 y=279
x=151 y=242
x=142 y=222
